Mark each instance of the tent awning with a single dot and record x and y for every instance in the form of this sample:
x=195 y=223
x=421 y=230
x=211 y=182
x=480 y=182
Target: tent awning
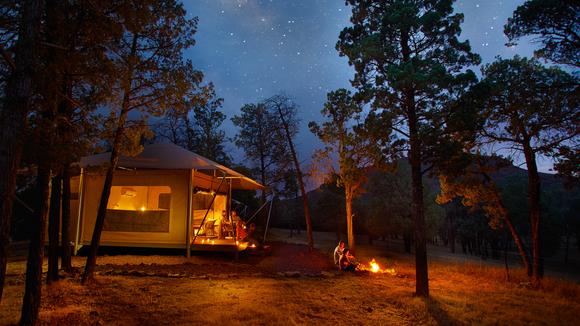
x=166 y=156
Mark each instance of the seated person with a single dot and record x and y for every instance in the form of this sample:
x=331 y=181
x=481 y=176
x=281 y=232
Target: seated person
x=347 y=261
x=338 y=251
x=235 y=217
x=240 y=230
x=225 y=225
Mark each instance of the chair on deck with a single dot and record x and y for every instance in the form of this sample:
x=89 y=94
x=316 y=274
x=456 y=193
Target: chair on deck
x=210 y=228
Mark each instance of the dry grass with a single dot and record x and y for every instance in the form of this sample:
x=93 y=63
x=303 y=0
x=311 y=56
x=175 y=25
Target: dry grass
x=460 y=294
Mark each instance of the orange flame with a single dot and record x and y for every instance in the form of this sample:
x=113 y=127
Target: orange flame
x=374 y=266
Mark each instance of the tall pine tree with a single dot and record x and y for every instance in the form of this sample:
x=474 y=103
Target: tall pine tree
x=407 y=58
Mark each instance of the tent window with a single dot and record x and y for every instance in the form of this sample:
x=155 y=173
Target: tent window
x=138 y=209
x=202 y=201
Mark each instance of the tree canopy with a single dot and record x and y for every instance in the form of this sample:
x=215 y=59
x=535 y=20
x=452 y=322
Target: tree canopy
x=553 y=23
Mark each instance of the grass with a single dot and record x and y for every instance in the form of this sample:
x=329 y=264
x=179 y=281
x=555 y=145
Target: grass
x=468 y=292
x=460 y=294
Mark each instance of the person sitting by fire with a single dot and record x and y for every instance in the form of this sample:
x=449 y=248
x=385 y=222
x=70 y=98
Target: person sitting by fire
x=348 y=262
x=338 y=251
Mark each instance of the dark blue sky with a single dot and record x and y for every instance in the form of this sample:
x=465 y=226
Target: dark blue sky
x=253 y=49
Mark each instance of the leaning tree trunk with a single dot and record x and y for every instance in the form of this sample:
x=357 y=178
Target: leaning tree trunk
x=535 y=213
x=519 y=244
x=514 y=232
x=114 y=160
x=17 y=95
x=32 y=293
x=53 y=228
x=102 y=210
x=300 y=181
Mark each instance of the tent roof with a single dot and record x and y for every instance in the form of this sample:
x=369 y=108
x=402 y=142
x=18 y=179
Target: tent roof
x=166 y=156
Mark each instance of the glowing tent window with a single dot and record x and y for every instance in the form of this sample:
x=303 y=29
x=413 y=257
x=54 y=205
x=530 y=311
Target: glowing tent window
x=138 y=209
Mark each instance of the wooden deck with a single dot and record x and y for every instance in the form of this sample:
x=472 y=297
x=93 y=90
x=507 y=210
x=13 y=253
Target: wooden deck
x=214 y=244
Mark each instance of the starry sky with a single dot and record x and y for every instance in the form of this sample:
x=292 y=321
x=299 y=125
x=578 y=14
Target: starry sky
x=253 y=49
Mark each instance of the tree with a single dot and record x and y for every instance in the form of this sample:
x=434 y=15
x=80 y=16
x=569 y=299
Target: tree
x=554 y=23
x=356 y=148
x=262 y=143
x=207 y=139
x=148 y=76
x=285 y=110
x=478 y=191
x=16 y=104
x=409 y=63
x=196 y=126
x=534 y=109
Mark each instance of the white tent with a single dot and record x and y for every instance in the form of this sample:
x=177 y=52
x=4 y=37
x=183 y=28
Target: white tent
x=157 y=198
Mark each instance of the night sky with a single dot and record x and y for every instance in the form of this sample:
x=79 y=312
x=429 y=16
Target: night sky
x=253 y=49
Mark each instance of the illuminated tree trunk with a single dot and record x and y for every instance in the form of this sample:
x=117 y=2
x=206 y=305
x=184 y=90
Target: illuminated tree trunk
x=16 y=105
x=349 y=218
x=515 y=235
x=535 y=212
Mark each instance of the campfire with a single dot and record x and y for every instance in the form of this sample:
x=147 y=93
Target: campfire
x=374 y=267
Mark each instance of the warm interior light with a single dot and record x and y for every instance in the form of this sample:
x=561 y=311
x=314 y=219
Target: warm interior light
x=142 y=208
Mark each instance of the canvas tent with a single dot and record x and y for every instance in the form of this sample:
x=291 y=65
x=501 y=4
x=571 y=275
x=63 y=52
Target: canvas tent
x=159 y=198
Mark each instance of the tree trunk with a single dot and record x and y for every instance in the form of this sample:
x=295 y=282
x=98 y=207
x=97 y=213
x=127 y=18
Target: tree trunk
x=300 y=181
x=66 y=249
x=262 y=178
x=16 y=105
x=102 y=210
x=53 y=228
x=535 y=212
x=422 y=277
x=114 y=160
x=421 y=268
x=515 y=235
x=32 y=293
x=349 y=222
x=519 y=244
x=422 y=282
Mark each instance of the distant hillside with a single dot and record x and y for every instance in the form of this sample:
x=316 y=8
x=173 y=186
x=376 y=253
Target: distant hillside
x=327 y=201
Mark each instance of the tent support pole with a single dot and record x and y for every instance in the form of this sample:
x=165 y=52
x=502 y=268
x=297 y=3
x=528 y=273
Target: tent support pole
x=80 y=211
x=256 y=213
x=268 y=221
x=189 y=213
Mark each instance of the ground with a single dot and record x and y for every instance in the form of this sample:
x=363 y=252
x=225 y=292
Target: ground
x=292 y=286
